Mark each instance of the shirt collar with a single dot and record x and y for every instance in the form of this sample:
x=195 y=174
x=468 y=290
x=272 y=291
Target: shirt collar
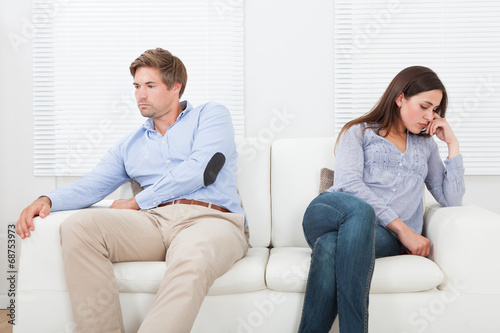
x=185 y=106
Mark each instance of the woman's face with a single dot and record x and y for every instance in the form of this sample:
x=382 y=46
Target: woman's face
x=418 y=110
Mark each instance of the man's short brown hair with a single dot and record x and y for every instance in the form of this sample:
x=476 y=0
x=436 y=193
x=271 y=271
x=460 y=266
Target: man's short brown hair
x=171 y=68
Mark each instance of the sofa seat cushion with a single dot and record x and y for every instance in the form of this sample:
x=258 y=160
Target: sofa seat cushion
x=405 y=273
x=288 y=269
x=247 y=275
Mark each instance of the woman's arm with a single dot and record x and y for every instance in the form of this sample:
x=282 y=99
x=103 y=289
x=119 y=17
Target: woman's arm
x=445 y=182
x=415 y=243
x=349 y=171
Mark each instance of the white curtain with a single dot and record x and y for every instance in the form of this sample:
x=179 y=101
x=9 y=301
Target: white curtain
x=459 y=40
x=83 y=94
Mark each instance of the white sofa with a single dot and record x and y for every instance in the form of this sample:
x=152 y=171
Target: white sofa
x=456 y=290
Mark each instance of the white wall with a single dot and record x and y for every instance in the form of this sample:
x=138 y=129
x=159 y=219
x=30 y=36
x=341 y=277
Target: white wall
x=18 y=186
x=288 y=92
x=289 y=66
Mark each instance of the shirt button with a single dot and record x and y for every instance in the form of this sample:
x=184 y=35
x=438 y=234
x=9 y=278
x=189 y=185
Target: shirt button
x=394 y=190
x=163 y=142
x=399 y=174
x=167 y=161
x=400 y=164
x=154 y=203
x=172 y=196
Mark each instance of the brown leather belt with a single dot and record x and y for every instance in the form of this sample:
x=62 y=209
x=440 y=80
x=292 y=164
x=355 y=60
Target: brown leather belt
x=195 y=202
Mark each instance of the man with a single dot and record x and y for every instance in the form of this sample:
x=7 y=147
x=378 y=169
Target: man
x=188 y=214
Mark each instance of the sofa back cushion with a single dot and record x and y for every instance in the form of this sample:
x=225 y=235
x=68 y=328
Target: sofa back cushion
x=254 y=163
x=296 y=165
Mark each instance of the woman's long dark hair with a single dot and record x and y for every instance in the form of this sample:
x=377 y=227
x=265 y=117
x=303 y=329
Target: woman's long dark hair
x=411 y=81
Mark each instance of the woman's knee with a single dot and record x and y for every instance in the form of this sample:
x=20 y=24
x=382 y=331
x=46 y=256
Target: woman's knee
x=328 y=210
x=338 y=204
x=358 y=210
x=319 y=218
x=325 y=248
x=365 y=211
x=323 y=207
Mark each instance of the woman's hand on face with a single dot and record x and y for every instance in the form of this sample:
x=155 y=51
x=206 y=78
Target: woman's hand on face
x=441 y=128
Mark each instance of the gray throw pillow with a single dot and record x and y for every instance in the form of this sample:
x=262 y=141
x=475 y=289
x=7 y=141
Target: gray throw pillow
x=325 y=179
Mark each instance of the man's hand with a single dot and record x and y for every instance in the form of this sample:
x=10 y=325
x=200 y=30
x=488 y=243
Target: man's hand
x=125 y=204
x=415 y=243
x=39 y=207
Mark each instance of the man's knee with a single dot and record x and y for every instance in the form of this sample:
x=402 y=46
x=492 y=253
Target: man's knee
x=201 y=253
x=78 y=224
x=72 y=221
x=207 y=255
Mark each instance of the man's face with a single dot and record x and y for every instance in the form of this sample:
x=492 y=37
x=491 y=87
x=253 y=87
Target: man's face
x=154 y=99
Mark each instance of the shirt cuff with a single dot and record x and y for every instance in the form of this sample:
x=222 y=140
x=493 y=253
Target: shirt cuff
x=386 y=217
x=147 y=199
x=56 y=205
x=455 y=163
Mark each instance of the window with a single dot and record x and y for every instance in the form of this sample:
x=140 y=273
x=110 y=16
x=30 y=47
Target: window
x=83 y=93
x=459 y=40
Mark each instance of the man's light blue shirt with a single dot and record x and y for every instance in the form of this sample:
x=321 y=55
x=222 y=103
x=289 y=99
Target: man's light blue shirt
x=167 y=167
x=373 y=169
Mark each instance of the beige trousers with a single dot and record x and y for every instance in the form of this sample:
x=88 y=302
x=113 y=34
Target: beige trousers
x=198 y=245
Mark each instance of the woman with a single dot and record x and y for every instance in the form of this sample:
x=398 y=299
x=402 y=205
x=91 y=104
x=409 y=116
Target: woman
x=375 y=209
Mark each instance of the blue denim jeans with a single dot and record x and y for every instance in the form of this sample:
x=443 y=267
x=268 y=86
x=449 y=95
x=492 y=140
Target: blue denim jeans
x=341 y=230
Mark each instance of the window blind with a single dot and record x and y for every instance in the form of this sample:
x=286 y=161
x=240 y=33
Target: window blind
x=82 y=49
x=459 y=40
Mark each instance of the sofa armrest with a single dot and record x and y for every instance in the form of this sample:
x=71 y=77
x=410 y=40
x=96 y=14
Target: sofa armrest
x=463 y=244
x=40 y=261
